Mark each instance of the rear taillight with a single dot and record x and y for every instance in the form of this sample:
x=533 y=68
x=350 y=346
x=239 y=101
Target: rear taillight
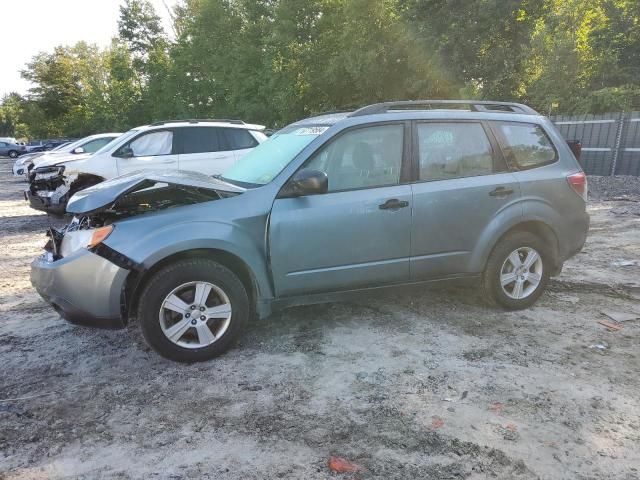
x=578 y=182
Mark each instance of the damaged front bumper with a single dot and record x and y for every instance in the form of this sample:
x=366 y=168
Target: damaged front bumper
x=49 y=190
x=84 y=287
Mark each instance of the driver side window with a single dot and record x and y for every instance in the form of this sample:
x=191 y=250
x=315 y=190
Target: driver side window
x=362 y=158
x=152 y=144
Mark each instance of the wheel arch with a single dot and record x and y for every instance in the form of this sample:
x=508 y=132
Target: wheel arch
x=136 y=280
x=85 y=180
x=536 y=227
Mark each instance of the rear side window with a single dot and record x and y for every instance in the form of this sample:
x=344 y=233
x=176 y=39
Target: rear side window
x=239 y=138
x=200 y=140
x=454 y=150
x=525 y=145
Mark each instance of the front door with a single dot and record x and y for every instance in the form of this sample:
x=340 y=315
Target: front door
x=358 y=233
x=151 y=151
x=463 y=184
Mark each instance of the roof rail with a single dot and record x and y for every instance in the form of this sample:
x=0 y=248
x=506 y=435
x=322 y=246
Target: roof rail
x=332 y=112
x=474 y=105
x=198 y=120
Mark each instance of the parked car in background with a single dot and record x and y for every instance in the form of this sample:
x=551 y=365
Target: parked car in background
x=85 y=146
x=20 y=167
x=32 y=145
x=391 y=194
x=50 y=145
x=11 y=149
x=207 y=146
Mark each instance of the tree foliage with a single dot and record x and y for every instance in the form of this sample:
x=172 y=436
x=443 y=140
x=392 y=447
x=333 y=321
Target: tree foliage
x=274 y=61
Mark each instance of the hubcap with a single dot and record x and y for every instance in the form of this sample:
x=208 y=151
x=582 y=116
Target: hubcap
x=195 y=331
x=521 y=273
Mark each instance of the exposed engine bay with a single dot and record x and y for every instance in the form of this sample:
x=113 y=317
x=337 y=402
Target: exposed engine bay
x=147 y=195
x=150 y=196
x=50 y=183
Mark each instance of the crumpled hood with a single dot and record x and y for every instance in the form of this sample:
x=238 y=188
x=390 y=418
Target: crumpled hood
x=54 y=158
x=103 y=195
x=28 y=157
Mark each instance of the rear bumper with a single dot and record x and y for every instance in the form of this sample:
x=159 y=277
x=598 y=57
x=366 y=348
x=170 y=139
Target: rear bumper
x=83 y=288
x=46 y=204
x=576 y=230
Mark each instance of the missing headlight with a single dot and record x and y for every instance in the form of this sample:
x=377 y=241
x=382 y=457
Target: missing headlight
x=46 y=173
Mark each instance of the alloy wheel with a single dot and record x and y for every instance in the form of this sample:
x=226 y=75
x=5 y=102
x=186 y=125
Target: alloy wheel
x=195 y=314
x=521 y=273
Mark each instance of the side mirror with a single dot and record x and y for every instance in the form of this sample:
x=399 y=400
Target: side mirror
x=125 y=152
x=306 y=182
x=78 y=150
x=576 y=148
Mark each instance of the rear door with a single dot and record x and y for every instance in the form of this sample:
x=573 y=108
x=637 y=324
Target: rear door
x=204 y=150
x=154 y=150
x=462 y=185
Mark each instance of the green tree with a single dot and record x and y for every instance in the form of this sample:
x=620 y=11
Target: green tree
x=68 y=88
x=140 y=31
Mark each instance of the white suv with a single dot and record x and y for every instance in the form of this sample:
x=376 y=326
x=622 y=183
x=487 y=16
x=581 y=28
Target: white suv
x=82 y=148
x=206 y=146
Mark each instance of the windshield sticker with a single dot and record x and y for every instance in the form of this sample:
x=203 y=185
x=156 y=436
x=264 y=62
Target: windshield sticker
x=310 y=131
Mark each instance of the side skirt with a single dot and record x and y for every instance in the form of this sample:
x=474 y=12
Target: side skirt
x=327 y=297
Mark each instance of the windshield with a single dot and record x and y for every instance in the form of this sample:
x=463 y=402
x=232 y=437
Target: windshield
x=60 y=147
x=70 y=146
x=263 y=163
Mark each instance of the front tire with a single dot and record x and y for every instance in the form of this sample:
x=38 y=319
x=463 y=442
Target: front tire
x=13 y=154
x=517 y=271
x=193 y=310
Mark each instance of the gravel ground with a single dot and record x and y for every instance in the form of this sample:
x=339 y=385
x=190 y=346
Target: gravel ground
x=417 y=384
x=607 y=188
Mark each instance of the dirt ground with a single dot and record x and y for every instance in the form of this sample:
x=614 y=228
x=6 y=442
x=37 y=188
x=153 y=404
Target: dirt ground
x=420 y=384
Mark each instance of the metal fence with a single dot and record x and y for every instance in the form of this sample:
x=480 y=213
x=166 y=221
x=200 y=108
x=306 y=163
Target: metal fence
x=610 y=142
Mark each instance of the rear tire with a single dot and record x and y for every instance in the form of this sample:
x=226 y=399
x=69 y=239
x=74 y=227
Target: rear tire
x=183 y=310
x=517 y=271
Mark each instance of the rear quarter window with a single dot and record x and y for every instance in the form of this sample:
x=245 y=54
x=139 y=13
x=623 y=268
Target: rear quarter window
x=239 y=139
x=525 y=145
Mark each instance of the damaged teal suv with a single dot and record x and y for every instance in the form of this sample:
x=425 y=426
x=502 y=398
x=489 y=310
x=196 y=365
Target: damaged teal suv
x=388 y=195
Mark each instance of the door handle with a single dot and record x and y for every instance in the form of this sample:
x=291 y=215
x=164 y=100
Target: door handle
x=393 y=204
x=500 y=192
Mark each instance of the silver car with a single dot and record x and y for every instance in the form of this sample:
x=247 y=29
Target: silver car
x=389 y=195
x=11 y=150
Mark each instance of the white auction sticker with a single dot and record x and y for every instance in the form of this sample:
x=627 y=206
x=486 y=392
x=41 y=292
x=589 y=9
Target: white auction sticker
x=311 y=131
